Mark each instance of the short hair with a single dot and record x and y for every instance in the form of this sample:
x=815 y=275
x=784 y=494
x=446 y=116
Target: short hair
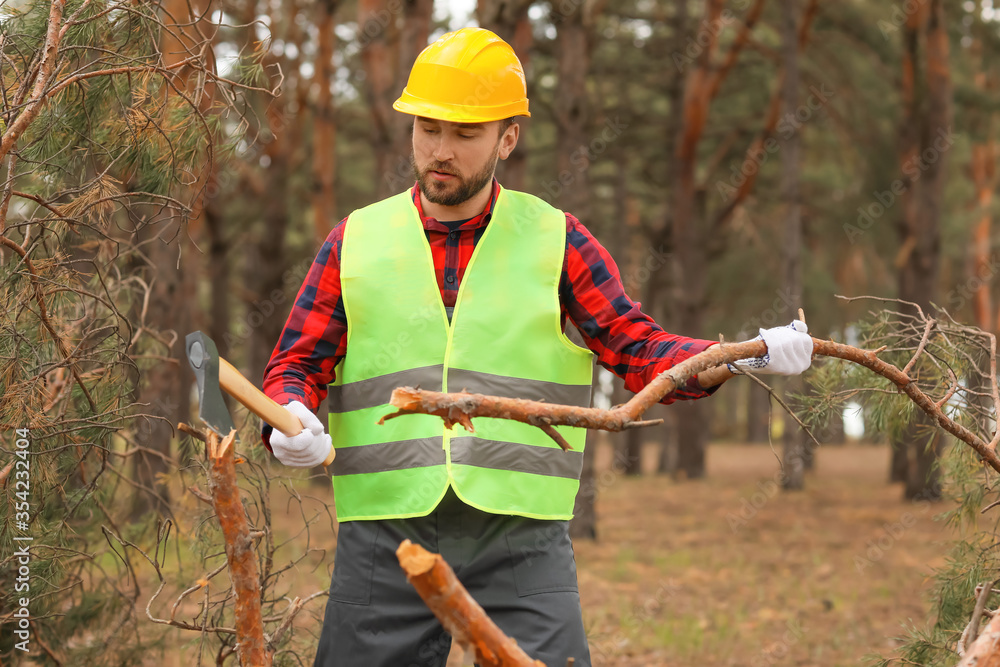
x=505 y=123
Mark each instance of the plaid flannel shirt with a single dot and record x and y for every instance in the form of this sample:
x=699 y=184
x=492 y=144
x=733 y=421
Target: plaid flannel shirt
x=626 y=341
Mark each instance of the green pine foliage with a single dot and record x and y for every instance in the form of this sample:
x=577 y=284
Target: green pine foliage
x=109 y=155
x=952 y=352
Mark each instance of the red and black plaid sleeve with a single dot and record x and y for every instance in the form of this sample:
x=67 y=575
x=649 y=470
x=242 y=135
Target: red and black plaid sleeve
x=314 y=338
x=626 y=341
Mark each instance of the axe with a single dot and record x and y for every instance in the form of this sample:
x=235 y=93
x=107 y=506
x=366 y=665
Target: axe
x=213 y=372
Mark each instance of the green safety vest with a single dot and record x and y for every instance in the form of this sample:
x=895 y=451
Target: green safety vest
x=504 y=338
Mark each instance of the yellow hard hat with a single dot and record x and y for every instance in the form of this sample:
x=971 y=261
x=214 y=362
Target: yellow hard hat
x=467 y=76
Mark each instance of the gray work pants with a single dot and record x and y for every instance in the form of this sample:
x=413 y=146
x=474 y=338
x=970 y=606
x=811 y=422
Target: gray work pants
x=521 y=571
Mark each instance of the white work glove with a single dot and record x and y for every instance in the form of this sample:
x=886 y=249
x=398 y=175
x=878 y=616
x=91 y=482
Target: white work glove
x=789 y=351
x=307 y=449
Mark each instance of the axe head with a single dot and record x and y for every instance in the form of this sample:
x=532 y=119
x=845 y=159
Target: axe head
x=204 y=359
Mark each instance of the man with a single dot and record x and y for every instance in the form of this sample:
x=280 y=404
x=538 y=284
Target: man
x=461 y=284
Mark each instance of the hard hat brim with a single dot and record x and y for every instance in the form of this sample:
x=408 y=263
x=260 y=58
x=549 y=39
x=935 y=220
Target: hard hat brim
x=458 y=113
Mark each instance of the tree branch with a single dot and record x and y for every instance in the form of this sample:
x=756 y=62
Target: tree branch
x=43 y=315
x=741 y=39
x=972 y=629
x=462 y=407
x=985 y=650
x=240 y=554
x=21 y=123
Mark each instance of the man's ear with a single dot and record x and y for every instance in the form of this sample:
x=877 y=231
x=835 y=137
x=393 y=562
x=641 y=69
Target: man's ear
x=509 y=140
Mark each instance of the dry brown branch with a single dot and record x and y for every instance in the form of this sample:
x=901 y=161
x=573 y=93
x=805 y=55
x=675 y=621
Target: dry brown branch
x=8 y=191
x=58 y=660
x=920 y=347
x=38 y=97
x=459 y=408
x=985 y=650
x=972 y=629
x=239 y=551
x=43 y=316
x=951 y=390
x=462 y=407
x=554 y=434
x=6 y=471
x=201 y=583
x=286 y=621
x=199 y=494
x=134 y=69
x=458 y=612
x=204 y=628
x=740 y=41
x=993 y=387
x=240 y=554
x=774 y=395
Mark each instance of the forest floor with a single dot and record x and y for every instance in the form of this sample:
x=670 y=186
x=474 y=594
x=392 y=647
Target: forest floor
x=726 y=570
x=731 y=571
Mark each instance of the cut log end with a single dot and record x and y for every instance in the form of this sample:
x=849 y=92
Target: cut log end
x=414 y=559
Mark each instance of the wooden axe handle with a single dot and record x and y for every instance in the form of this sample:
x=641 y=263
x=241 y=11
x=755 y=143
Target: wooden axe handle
x=259 y=403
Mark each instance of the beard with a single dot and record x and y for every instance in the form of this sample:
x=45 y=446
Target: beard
x=458 y=190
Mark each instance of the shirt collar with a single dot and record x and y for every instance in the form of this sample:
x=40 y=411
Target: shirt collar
x=481 y=220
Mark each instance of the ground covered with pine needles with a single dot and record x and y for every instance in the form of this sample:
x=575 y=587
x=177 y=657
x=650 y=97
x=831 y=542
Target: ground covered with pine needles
x=726 y=570
x=730 y=571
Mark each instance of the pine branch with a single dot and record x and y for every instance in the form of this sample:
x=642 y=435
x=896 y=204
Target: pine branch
x=462 y=407
x=43 y=315
x=985 y=651
x=38 y=99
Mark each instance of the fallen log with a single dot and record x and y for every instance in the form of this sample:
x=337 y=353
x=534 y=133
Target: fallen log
x=460 y=615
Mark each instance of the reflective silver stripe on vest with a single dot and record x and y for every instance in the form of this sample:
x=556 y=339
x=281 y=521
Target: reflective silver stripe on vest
x=471 y=451
x=386 y=456
x=377 y=390
x=548 y=461
x=533 y=390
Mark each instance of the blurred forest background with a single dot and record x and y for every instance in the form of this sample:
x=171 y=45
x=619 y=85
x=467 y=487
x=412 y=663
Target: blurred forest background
x=175 y=165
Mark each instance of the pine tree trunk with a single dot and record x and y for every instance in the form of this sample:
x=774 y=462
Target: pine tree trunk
x=758 y=414
x=171 y=281
x=627 y=444
x=388 y=51
x=584 y=523
x=925 y=128
x=794 y=451
x=266 y=256
x=218 y=275
x=509 y=20
x=378 y=35
x=412 y=40
x=899 y=466
x=982 y=169
x=160 y=385
x=667 y=436
x=692 y=433
x=924 y=480
x=324 y=144
x=983 y=172
x=572 y=114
